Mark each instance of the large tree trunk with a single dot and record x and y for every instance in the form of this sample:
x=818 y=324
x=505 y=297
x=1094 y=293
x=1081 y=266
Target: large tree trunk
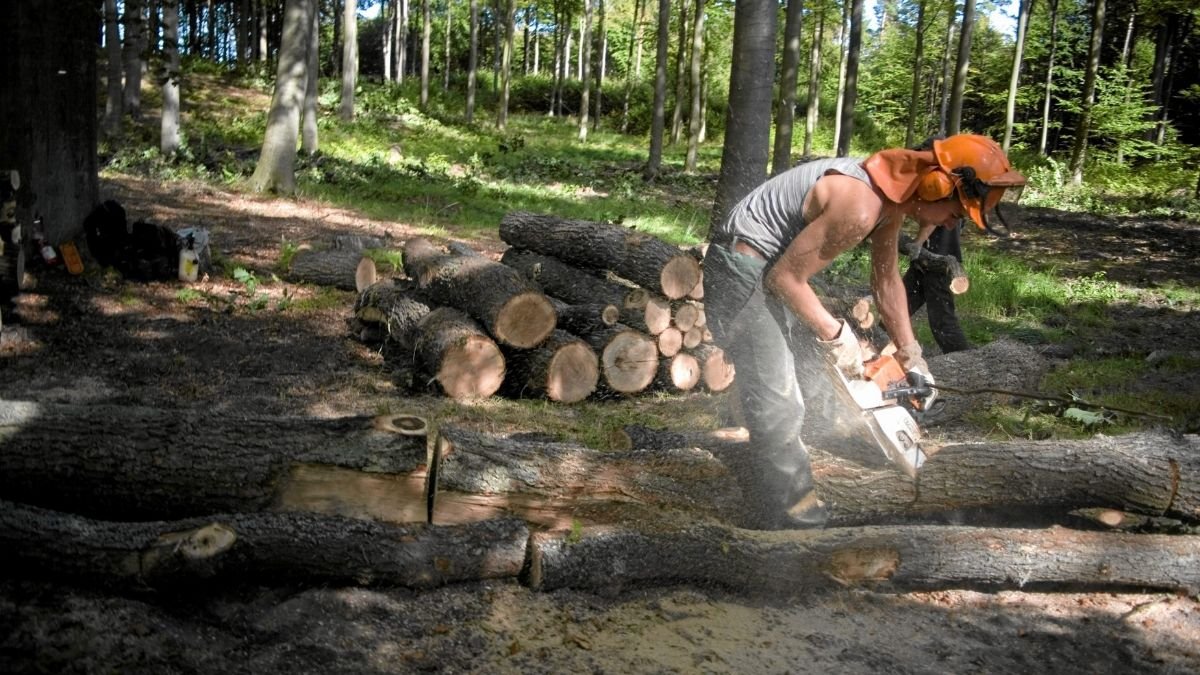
x=553 y=485
x=513 y=310
x=309 y=135
x=680 y=74
x=48 y=84
x=338 y=268
x=181 y=463
x=268 y=548
x=785 y=112
x=890 y=559
x=571 y=284
x=349 y=58
x=628 y=358
x=814 y=84
x=636 y=256
x=276 y=169
x=748 y=116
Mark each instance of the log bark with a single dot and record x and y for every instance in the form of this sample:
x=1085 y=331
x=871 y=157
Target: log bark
x=678 y=373
x=564 y=368
x=483 y=476
x=514 y=311
x=959 y=281
x=628 y=358
x=169 y=464
x=269 y=548
x=669 y=342
x=452 y=351
x=925 y=557
x=644 y=259
x=583 y=319
x=717 y=372
x=398 y=308
x=571 y=284
x=338 y=268
x=1150 y=472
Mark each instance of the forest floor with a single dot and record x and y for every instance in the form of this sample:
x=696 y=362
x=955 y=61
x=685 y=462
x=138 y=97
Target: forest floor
x=231 y=348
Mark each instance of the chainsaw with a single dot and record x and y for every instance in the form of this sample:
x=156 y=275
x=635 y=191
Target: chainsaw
x=891 y=405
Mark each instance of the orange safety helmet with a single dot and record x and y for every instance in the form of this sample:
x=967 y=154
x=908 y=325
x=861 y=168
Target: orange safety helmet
x=976 y=169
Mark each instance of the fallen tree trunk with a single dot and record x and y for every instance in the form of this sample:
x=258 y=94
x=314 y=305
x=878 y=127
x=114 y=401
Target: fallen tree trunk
x=450 y=349
x=270 y=548
x=1150 y=472
x=628 y=358
x=481 y=476
x=167 y=464
x=399 y=309
x=924 y=557
x=339 y=268
x=572 y=284
x=641 y=258
x=563 y=368
x=512 y=310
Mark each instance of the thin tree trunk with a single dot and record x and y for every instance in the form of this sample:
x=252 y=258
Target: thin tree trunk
x=169 y=127
x=958 y=90
x=918 y=66
x=1083 y=127
x=276 y=169
x=601 y=62
x=814 y=84
x=349 y=59
x=852 y=57
x=135 y=45
x=449 y=23
x=785 y=112
x=844 y=31
x=585 y=67
x=634 y=42
x=506 y=63
x=400 y=40
x=658 y=121
x=426 y=35
x=1049 y=77
x=114 y=104
x=944 y=112
x=309 y=140
x=697 y=114
x=680 y=73
x=1018 y=56
x=473 y=62
x=388 y=12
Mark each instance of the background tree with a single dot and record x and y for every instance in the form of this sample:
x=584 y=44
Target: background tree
x=1082 y=128
x=843 y=40
x=309 y=139
x=785 y=112
x=814 y=79
x=851 y=87
x=133 y=55
x=1049 y=87
x=659 y=114
x=748 y=120
x=505 y=63
x=349 y=59
x=276 y=169
x=426 y=36
x=918 y=64
x=585 y=66
x=958 y=89
x=114 y=104
x=169 y=79
x=695 y=119
x=680 y=73
x=473 y=62
x=1018 y=57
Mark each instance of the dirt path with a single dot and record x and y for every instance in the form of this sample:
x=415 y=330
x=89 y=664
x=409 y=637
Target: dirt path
x=276 y=349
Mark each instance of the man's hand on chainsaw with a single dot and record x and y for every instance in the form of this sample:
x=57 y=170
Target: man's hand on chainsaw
x=917 y=370
x=845 y=351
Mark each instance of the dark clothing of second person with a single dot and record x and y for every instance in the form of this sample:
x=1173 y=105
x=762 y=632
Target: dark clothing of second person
x=930 y=286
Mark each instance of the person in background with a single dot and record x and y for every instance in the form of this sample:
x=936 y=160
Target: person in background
x=757 y=270
x=929 y=285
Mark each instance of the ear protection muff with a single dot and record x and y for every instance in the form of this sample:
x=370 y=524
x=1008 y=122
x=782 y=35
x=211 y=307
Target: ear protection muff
x=935 y=185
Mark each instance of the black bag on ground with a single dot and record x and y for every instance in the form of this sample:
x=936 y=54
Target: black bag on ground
x=142 y=250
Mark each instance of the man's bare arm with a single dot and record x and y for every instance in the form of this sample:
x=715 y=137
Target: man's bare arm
x=887 y=284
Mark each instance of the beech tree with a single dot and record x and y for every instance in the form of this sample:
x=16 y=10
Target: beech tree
x=918 y=62
x=851 y=94
x=473 y=62
x=1018 y=57
x=814 y=80
x=1087 y=98
x=276 y=168
x=133 y=56
x=785 y=112
x=349 y=59
x=309 y=139
x=958 y=89
x=114 y=103
x=697 y=114
x=1049 y=88
x=659 y=115
x=169 y=79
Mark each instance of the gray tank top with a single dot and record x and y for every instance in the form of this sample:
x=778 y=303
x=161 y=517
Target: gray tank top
x=773 y=213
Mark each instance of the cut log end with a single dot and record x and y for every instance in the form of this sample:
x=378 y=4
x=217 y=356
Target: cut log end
x=526 y=320
x=630 y=361
x=365 y=275
x=680 y=373
x=670 y=341
x=574 y=373
x=472 y=369
x=405 y=425
x=680 y=276
x=718 y=370
x=960 y=285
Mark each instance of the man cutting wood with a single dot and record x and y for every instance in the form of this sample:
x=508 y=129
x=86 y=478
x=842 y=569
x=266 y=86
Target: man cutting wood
x=757 y=274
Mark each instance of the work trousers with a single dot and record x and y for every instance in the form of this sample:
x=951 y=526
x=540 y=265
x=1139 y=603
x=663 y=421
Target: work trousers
x=754 y=329
x=931 y=288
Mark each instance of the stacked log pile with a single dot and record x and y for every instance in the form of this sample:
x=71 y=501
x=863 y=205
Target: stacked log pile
x=573 y=309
